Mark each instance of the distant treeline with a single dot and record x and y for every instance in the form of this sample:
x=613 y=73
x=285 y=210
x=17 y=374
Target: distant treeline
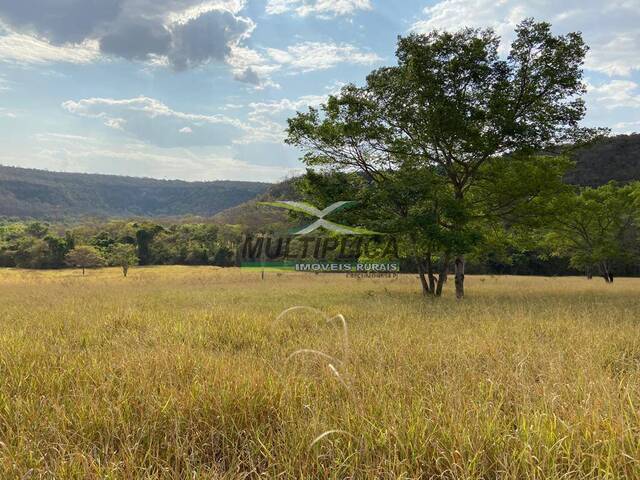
x=39 y=245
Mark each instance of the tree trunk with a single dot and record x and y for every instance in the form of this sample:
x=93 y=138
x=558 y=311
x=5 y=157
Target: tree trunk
x=423 y=279
x=125 y=270
x=459 y=260
x=459 y=269
x=604 y=270
x=442 y=275
x=422 y=271
x=432 y=277
x=83 y=270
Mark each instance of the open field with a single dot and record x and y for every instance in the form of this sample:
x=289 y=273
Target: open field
x=183 y=373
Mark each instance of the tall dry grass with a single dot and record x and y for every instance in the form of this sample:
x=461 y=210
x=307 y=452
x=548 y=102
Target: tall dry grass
x=184 y=373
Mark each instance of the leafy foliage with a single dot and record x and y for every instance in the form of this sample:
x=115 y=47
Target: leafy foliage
x=85 y=257
x=597 y=227
x=446 y=137
x=122 y=255
x=40 y=245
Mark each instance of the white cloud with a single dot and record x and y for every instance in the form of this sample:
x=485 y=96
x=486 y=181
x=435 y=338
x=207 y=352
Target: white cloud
x=275 y=107
x=148 y=138
x=150 y=107
x=616 y=55
x=73 y=153
x=243 y=58
x=322 y=8
x=250 y=66
x=626 y=127
x=177 y=34
x=183 y=15
x=115 y=123
x=181 y=34
x=616 y=94
x=610 y=28
x=152 y=121
x=257 y=67
x=208 y=37
x=254 y=134
x=4 y=113
x=311 y=56
x=26 y=49
x=51 y=136
x=267 y=120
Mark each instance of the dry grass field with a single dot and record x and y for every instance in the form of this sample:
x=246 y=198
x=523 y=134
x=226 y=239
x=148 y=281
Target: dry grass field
x=185 y=373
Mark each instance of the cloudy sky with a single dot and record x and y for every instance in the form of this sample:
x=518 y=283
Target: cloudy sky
x=201 y=89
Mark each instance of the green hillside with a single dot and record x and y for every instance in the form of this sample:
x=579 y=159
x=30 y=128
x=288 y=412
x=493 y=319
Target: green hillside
x=615 y=158
x=29 y=193
x=51 y=195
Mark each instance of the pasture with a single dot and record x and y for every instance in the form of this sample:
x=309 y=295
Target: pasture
x=179 y=372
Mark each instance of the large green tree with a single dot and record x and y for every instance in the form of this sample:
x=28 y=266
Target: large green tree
x=397 y=205
x=452 y=105
x=597 y=228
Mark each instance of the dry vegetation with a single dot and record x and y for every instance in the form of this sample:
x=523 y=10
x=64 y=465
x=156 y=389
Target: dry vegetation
x=183 y=373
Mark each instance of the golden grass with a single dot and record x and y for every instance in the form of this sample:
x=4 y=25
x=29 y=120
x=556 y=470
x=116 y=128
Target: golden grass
x=182 y=372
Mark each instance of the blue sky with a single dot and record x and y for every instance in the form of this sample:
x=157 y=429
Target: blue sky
x=201 y=89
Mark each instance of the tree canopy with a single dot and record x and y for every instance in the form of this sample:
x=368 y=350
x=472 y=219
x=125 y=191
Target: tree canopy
x=455 y=112
x=123 y=255
x=85 y=257
x=597 y=227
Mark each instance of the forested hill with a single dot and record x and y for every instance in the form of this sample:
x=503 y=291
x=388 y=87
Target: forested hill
x=616 y=158
x=40 y=194
x=50 y=195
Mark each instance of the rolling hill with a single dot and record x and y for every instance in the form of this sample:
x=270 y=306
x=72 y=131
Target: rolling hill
x=615 y=158
x=255 y=217
x=28 y=193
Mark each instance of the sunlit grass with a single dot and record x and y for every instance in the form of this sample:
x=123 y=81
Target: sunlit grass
x=182 y=372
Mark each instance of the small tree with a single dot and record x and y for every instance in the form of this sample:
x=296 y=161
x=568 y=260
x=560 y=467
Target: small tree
x=123 y=255
x=84 y=257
